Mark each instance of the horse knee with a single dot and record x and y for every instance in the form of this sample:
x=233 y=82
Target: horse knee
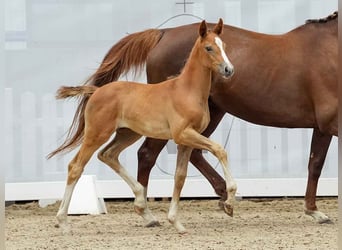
x=146 y=158
x=110 y=159
x=102 y=155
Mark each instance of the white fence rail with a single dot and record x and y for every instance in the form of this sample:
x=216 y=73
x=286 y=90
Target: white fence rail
x=276 y=157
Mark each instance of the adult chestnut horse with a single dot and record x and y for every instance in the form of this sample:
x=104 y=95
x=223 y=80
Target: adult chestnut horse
x=174 y=109
x=287 y=80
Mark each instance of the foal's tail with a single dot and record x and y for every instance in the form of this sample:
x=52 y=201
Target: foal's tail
x=129 y=53
x=67 y=92
x=76 y=130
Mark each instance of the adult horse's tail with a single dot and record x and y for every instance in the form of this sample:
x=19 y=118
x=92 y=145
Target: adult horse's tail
x=76 y=130
x=130 y=53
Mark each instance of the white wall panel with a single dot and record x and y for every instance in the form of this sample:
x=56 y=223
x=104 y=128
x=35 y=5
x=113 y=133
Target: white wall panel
x=272 y=14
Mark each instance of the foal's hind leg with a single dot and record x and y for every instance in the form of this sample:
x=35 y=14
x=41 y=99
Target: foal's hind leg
x=110 y=156
x=192 y=138
x=75 y=170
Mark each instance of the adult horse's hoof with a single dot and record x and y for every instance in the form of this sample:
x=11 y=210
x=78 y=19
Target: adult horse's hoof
x=320 y=217
x=228 y=209
x=326 y=221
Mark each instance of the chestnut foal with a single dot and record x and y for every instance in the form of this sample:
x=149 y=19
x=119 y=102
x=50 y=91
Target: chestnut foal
x=175 y=109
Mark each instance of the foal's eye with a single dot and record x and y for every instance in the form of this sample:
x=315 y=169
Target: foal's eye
x=208 y=48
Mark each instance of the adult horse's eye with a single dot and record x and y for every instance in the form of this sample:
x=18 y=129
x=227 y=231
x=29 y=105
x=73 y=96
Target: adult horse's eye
x=208 y=48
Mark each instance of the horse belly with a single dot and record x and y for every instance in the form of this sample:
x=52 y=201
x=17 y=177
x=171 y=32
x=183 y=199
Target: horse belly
x=147 y=128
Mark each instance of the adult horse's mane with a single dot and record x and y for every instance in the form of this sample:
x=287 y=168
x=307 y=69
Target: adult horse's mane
x=323 y=20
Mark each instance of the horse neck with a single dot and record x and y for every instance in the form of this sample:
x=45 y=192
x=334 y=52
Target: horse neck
x=195 y=77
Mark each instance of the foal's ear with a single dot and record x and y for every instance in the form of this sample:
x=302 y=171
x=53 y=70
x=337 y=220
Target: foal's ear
x=218 y=27
x=203 y=29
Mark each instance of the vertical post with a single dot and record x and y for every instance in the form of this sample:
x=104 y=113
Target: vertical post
x=339 y=129
x=2 y=106
x=184 y=3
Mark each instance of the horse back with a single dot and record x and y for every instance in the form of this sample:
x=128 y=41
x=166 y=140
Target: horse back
x=278 y=79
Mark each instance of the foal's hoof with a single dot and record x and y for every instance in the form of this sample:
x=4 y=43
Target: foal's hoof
x=221 y=204
x=228 y=209
x=183 y=232
x=154 y=223
x=65 y=228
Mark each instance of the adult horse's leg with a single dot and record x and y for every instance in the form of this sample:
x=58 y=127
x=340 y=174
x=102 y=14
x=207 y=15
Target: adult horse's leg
x=147 y=156
x=197 y=159
x=319 y=148
x=110 y=156
x=180 y=175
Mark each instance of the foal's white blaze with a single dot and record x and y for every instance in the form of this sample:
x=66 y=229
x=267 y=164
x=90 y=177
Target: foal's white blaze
x=219 y=43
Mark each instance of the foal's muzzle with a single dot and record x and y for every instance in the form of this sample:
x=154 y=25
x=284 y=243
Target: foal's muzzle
x=226 y=70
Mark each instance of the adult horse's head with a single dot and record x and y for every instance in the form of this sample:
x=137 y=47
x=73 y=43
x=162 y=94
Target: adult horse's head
x=213 y=54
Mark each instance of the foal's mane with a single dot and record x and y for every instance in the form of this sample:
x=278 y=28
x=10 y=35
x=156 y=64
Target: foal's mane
x=323 y=20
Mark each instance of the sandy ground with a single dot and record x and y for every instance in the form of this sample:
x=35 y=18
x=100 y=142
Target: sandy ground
x=257 y=224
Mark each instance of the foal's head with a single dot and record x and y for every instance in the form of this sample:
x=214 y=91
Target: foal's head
x=212 y=49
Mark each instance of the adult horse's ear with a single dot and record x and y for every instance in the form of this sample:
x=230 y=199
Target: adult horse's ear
x=203 y=29
x=218 y=27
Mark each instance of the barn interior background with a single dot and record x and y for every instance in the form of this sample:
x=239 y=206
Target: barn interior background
x=49 y=43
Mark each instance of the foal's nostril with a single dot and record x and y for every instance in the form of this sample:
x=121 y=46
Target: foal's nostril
x=228 y=71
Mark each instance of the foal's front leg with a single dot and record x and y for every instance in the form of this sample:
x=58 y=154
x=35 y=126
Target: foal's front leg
x=192 y=138
x=183 y=157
